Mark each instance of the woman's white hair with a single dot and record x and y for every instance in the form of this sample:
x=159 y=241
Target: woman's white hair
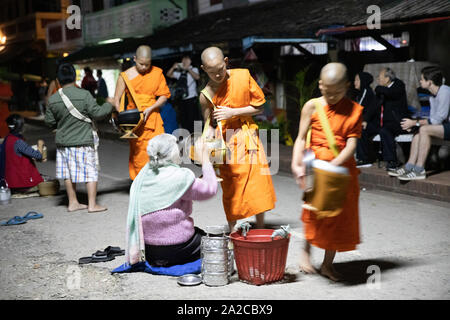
x=163 y=150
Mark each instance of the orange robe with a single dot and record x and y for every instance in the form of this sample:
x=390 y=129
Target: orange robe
x=339 y=233
x=247 y=184
x=5 y=91
x=147 y=87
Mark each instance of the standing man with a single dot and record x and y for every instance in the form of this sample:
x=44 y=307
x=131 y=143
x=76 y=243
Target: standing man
x=102 y=90
x=188 y=106
x=76 y=155
x=235 y=98
x=146 y=89
x=89 y=83
x=340 y=232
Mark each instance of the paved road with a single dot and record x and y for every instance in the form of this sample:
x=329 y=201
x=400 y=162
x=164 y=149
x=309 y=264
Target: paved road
x=404 y=252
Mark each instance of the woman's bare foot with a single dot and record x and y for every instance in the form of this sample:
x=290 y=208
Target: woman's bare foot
x=305 y=263
x=330 y=273
x=76 y=207
x=97 y=208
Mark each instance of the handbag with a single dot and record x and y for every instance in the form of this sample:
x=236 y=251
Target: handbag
x=74 y=112
x=327 y=196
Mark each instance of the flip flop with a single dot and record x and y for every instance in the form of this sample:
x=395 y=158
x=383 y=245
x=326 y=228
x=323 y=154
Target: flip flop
x=114 y=251
x=32 y=215
x=14 y=221
x=99 y=256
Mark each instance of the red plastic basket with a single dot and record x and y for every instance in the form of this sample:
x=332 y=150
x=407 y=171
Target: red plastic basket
x=259 y=259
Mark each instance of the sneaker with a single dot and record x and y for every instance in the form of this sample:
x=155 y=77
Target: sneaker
x=392 y=166
x=413 y=175
x=363 y=164
x=399 y=172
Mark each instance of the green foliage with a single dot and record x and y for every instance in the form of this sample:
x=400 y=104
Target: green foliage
x=305 y=89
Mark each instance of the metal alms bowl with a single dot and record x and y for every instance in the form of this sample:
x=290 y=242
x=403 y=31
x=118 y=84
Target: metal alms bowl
x=131 y=116
x=189 y=280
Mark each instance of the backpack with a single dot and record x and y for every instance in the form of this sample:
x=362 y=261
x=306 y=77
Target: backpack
x=181 y=88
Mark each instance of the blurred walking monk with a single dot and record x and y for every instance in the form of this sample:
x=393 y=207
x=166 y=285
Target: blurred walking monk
x=340 y=232
x=144 y=87
x=232 y=97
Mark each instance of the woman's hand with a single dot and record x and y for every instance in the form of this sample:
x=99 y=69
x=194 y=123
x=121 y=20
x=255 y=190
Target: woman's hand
x=202 y=151
x=223 y=113
x=407 y=124
x=299 y=174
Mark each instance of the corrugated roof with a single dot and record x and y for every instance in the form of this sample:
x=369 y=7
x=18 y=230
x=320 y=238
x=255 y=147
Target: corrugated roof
x=412 y=9
x=273 y=19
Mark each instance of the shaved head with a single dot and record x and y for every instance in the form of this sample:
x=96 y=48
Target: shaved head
x=214 y=64
x=211 y=56
x=333 y=82
x=334 y=73
x=144 y=52
x=143 y=59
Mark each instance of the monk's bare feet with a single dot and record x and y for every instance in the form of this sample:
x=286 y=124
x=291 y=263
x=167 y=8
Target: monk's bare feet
x=76 y=207
x=97 y=208
x=305 y=263
x=330 y=273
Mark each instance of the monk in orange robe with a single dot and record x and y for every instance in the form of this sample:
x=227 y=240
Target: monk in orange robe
x=151 y=93
x=5 y=97
x=341 y=232
x=247 y=184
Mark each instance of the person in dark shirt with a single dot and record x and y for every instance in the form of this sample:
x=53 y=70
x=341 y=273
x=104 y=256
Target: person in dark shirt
x=102 y=90
x=89 y=83
x=366 y=98
x=391 y=108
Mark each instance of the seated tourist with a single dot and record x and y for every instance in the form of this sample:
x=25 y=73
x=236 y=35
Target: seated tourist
x=366 y=98
x=160 y=227
x=438 y=125
x=17 y=166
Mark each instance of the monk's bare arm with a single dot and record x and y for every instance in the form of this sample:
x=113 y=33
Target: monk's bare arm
x=346 y=153
x=224 y=113
x=300 y=141
x=120 y=88
x=206 y=111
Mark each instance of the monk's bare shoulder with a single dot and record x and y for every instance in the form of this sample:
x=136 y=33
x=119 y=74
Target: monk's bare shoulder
x=131 y=72
x=203 y=100
x=308 y=108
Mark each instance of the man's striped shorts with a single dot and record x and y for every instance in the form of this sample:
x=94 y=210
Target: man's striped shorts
x=77 y=164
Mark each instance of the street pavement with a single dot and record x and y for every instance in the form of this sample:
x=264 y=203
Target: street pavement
x=404 y=253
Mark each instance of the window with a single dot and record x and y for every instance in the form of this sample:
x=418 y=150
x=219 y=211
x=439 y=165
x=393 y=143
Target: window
x=368 y=43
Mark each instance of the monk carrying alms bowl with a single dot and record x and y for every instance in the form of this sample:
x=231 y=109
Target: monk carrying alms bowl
x=128 y=121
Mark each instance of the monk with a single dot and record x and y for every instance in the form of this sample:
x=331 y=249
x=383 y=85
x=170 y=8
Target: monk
x=151 y=93
x=5 y=97
x=247 y=184
x=341 y=232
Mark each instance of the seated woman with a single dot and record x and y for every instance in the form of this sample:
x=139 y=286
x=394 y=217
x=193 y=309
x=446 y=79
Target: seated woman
x=17 y=166
x=160 y=229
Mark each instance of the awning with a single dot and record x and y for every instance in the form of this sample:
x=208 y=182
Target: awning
x=248 y=42
x=384 y=26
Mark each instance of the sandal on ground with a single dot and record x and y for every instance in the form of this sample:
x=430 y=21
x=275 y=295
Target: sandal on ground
x=14 y=221
x=32 y=215
x=114 y=251
x=99 y=256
